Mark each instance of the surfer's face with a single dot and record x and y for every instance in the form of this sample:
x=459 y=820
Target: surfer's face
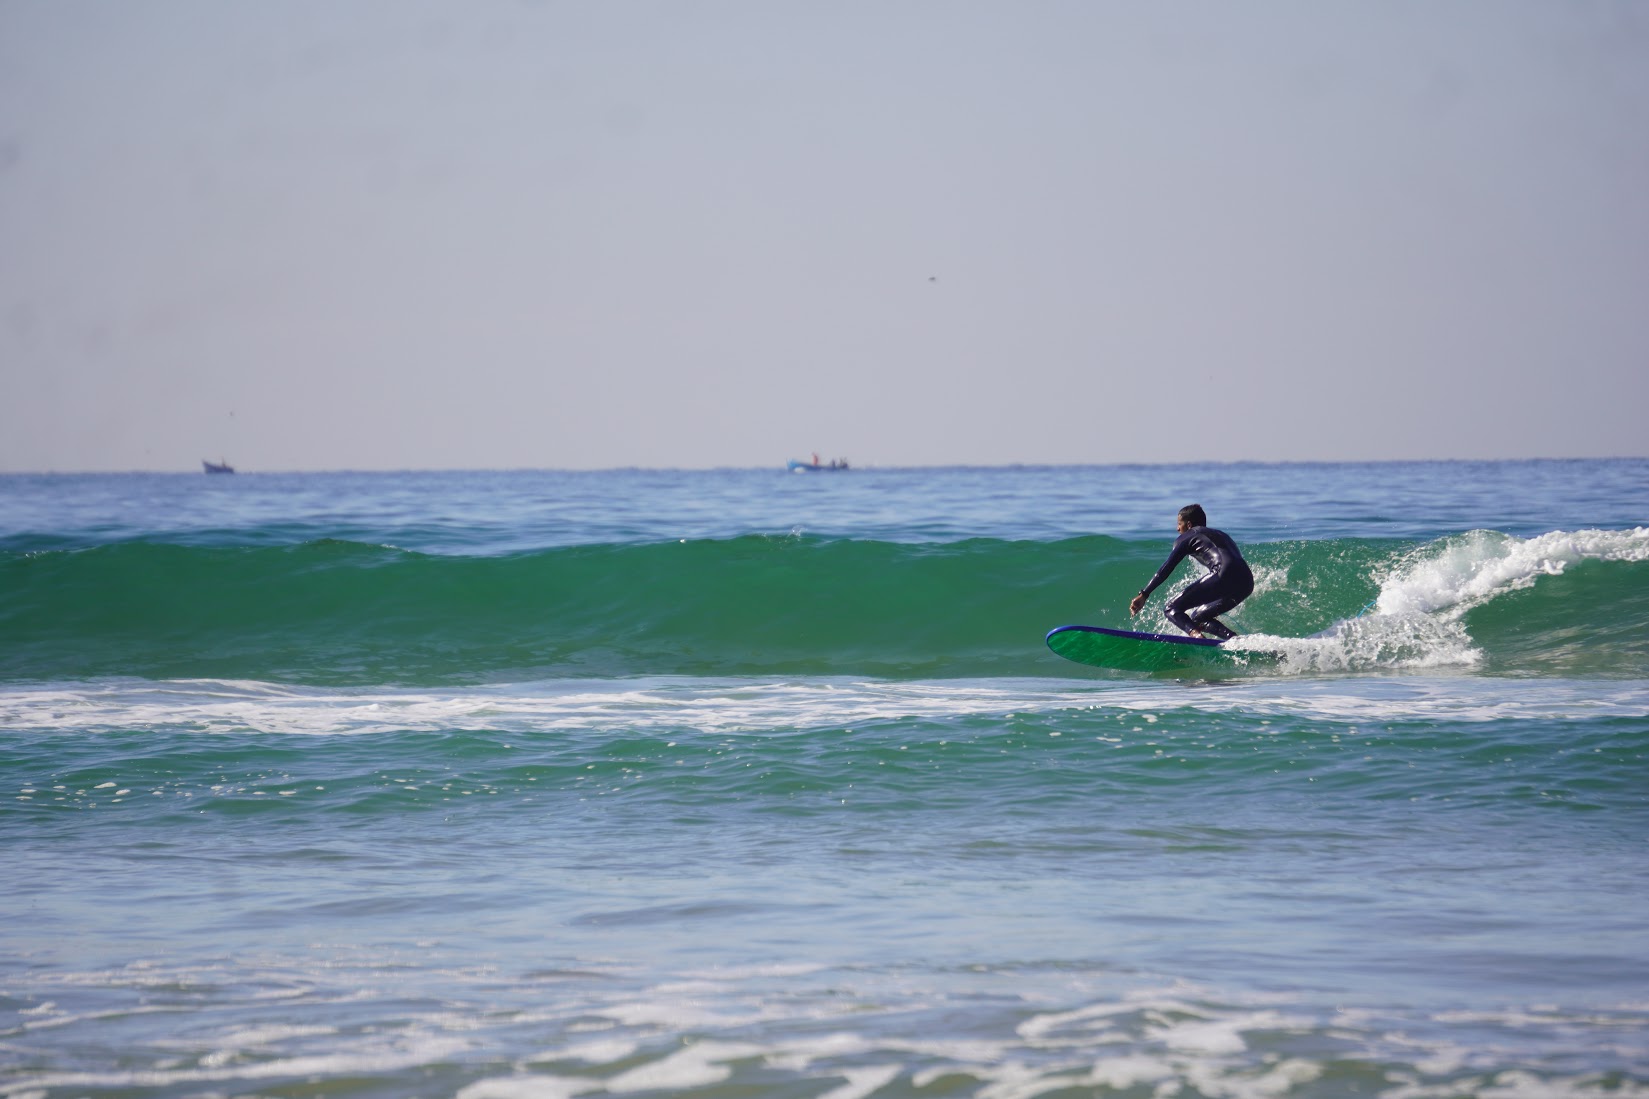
x=1181 y=526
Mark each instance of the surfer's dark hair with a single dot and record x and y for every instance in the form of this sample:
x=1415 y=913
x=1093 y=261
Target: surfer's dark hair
x=1193 y=515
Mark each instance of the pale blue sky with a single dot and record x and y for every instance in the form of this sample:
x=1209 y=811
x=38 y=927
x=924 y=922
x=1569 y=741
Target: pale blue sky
x=379 y=234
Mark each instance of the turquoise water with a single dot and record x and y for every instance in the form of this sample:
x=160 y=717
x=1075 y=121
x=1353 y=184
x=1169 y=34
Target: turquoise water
x=746 y=783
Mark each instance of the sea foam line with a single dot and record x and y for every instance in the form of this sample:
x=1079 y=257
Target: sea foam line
x=777 y=706
x=611 y=1030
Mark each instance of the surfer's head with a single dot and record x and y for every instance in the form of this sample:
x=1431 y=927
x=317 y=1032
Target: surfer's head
x=1192 y=516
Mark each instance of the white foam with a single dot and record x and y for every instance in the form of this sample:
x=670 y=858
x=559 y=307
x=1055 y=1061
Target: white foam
x=863 y=1081
x=800 y=1055
x=1205 y=1036
x=1407 y=642
x=254 y=1037
x=1130 y=1070
x=212 y=706
x=1165 y=1039
x=1459 y=573
x=1040 y=1027
x=345 y=1063
x=673 y=1013
x=1520 y=1084
x=599 y=1052
x=695 y=1066
x=1015 y=1081
x=527 y=1087
x=726 y=708
x=1415 y=622
x=654 y=704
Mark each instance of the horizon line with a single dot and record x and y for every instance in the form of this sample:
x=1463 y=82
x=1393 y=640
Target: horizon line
x=851 y=469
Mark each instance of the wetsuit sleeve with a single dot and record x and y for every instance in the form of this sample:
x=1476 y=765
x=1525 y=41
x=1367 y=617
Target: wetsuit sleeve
x=1182 y=545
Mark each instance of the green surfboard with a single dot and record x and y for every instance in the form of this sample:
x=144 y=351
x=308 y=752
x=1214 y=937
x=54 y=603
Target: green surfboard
x=1130 y=651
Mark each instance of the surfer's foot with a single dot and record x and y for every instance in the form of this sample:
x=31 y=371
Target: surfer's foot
x=1218 y=629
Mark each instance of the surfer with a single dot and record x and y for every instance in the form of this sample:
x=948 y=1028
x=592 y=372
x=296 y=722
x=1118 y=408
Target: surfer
x=1228 y=582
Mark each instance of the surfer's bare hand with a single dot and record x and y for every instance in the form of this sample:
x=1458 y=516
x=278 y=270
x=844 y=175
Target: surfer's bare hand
x=1135 y=604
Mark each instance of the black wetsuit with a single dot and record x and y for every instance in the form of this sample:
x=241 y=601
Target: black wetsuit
x=1228 y=582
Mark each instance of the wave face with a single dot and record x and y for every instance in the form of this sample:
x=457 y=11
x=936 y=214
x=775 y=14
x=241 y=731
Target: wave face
x=331 y=612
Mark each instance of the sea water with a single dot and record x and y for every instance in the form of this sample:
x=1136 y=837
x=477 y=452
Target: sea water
x=747 y=783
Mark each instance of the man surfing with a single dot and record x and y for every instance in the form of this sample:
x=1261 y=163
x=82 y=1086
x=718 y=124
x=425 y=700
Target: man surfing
x=1228 y=582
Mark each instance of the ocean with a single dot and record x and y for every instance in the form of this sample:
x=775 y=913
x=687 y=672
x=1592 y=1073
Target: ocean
x=744 y=783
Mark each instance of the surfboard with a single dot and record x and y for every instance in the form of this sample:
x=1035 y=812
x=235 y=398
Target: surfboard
x=1132 y=651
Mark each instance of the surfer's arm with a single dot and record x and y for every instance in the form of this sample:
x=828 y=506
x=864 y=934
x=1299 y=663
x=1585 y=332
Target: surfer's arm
x=1181 y=547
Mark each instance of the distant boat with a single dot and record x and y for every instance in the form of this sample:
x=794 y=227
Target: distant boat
x=835 y=465
x=217 y=467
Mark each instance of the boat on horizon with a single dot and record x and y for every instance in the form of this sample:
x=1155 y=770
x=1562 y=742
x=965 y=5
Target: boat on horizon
x=816 y=466
x=219 y=466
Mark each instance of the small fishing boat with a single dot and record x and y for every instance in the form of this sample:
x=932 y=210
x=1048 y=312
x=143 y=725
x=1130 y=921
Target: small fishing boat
x=217 y=467
x=816 y=466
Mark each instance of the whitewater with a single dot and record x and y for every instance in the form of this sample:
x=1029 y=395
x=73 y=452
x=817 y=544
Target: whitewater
x=741 y=782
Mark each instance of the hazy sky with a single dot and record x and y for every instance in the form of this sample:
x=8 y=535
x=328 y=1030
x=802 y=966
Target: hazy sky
x=385 y=234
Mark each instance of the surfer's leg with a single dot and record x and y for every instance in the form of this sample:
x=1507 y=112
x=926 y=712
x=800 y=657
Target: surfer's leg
x=1179 y=619
x=1178 y=609
x=1213 y=627
x=1199 y=606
